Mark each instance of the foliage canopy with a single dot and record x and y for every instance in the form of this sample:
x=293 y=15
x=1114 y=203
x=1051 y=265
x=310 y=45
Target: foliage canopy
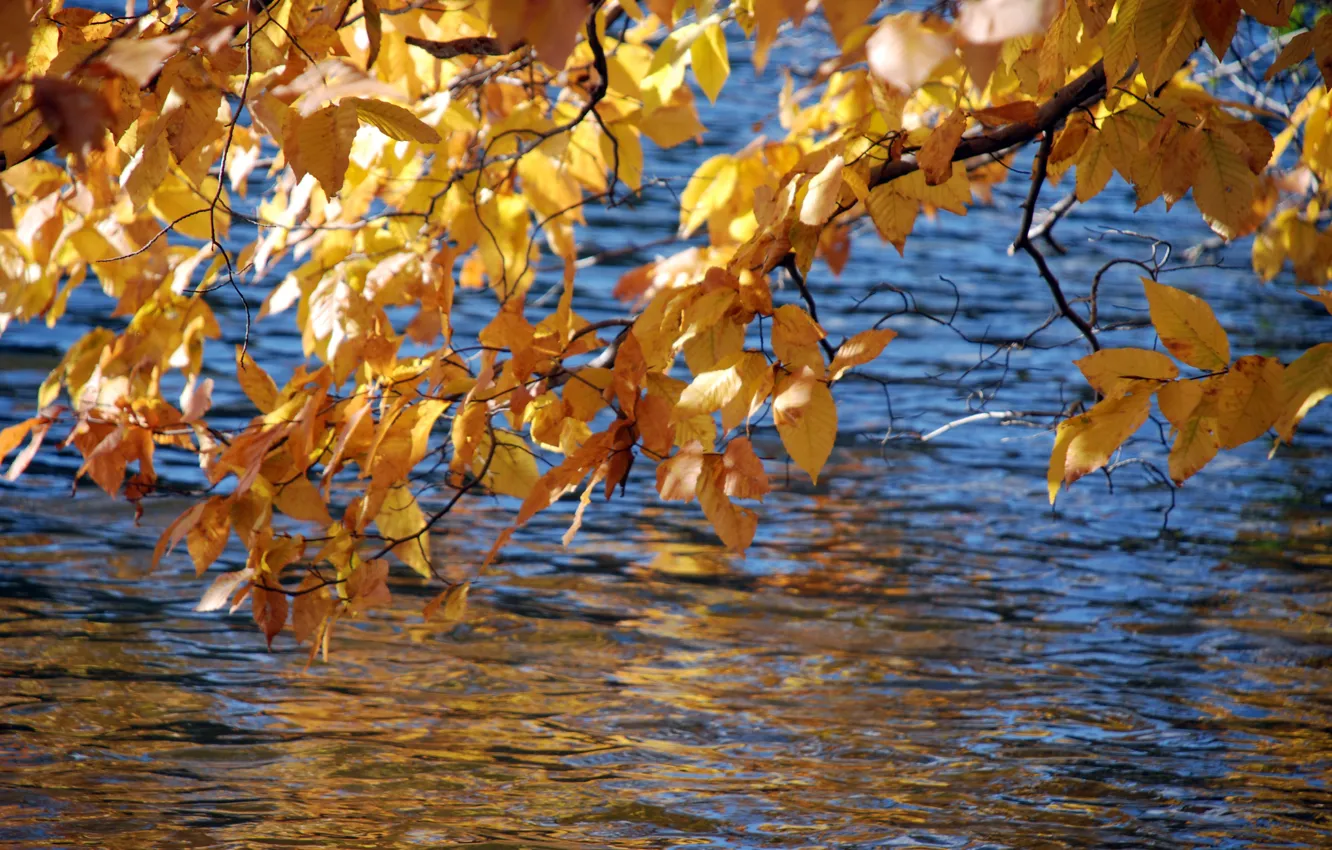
x=413 y=148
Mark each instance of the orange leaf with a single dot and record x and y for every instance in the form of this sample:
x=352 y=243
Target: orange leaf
x=936 y=155
x=270 y=611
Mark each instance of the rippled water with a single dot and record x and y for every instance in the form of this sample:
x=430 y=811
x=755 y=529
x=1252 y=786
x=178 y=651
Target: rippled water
x=917 y=652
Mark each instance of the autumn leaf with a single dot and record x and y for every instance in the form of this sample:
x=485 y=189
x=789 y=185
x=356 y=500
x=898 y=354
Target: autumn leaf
x=207 y=535
x=310 y=606
x=821 y=196
x=806 y=419
x=392 y=120
x=904 y=51
x=860 y=349
x=1113 y=372
x=1187 y=326
x=708 y=57
x=936 y=155
x=258 y=386
x=1090 y=439
x=735 y=525
x=400 y=519
x=743 y=476
x=222 y=588
x=1305 y=382
x=270 y=611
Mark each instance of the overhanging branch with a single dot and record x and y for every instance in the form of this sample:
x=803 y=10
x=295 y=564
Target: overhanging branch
x=1084 y=91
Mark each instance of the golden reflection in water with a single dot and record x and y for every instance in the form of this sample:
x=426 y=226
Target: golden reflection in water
x=857 y=681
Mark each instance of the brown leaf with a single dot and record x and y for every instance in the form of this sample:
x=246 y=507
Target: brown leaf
x=309 y=607
x=76 y=117
x=270 y=610
x=367 y=586
x=936 y=155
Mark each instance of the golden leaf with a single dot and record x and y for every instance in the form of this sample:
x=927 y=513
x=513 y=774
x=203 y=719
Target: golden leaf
x=309 y=607
x=806 y=419
x=1196 y=443
x=894 y=215
x=711 y=65
x=821 y=196
x=1187 y=326
x=258 y=386
x=320 y=144
x=677 y=477
x=392 y=120
x=513 y=470
x=1306 y=382
x=1104 y=429
x=270 y=611
x=1112 y=372
x=708 y=393
x=400 y=518
x=1248 y=399
x=860 y=349
x=743 y=476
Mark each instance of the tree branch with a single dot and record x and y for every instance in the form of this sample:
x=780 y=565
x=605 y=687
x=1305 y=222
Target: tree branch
x=1024 y=242
x=1085 y=90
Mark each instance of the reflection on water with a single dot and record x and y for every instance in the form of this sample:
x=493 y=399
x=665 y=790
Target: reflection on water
x=888 y=675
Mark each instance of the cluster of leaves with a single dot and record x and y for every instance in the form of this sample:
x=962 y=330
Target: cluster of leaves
x=414 y=150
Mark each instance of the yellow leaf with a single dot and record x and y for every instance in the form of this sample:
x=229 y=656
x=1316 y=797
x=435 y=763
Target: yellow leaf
x=1223 y=185
x=1064 y=434
x=512 y=470
x=1112 y=372
x=400 y=518
x=321 y=143
x=298 y=498
x=844 y=16
x=756 y=385
x=1195 y=445
x=711 y=65
x=1179 y=399
x=1094 y=168
x=936 y=155
x=859 y=350
x=734 y=525
x=793 y=330
x=1187 y=326
x=1307 y=381
x=256 y=383
x=1107 y=425
x=708 y=393
x=1248 y=399
x=270 y=610
x=821 y=196
x=893 y=214
x=710 y=188
x=146 y=171
x=806 y=419
x=453 y=602
x=393 y=121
